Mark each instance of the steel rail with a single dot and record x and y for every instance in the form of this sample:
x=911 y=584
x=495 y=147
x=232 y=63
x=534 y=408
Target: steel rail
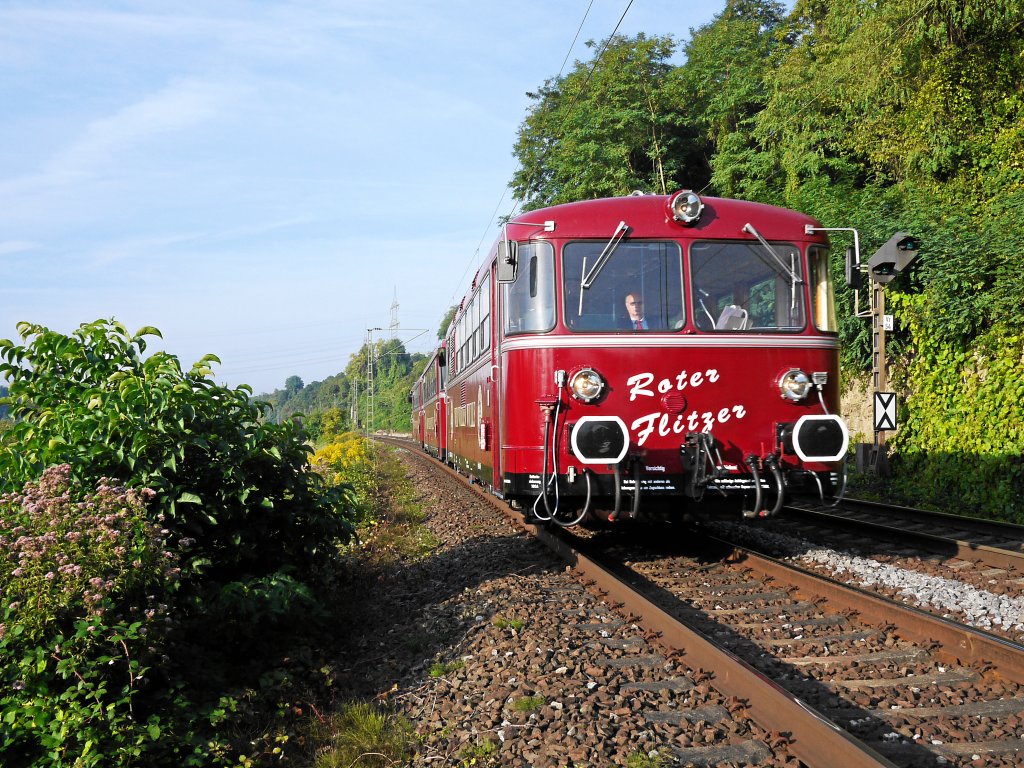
x=816 y=740
x=997 y=557
x=929 y=516
x=957 y=642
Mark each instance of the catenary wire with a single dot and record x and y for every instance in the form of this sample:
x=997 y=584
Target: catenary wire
x=474 y=258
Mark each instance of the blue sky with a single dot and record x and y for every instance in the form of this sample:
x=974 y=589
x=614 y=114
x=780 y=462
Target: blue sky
x=259 y=179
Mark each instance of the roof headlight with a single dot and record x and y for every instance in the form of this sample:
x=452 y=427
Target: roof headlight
x=795 y=385
x=686 y=207
x=587 y=385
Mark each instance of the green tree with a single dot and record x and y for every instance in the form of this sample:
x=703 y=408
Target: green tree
x=889 y=92
x=609 y=127
x=724 y=79
x=324 y=424
x=394 y=371
x=442 y=328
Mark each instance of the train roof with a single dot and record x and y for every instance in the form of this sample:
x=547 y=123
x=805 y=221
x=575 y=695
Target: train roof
x=649 y=216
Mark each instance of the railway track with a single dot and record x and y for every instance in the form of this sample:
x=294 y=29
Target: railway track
x=990 y=543
x=975 y=566
x=916 y=688
x=829 y=675
x=748 y=720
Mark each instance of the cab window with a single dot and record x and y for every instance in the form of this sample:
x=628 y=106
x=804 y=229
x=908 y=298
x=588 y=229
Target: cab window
x=530 y=300
x=638 y=287
x=744 y=287
x=823 y=303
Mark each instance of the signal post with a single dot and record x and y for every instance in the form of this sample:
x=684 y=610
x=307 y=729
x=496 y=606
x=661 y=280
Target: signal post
x=898 y=253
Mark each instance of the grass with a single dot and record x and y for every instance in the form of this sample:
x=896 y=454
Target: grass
x=439 y=669
x=365 y=735
x=396 y=533
x=502 y=623
x=478 y=753
x=642 y=760
x=529 y=704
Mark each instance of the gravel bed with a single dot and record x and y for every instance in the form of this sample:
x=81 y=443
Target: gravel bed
x=928 y=585
x=499 y=656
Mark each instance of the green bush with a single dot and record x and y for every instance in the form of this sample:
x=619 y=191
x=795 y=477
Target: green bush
x=235 y=488
x=235 y=532
x=81 y=623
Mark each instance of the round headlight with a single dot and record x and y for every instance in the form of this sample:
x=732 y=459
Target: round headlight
x=587 y=385
x=686 y=207
x=795 y=385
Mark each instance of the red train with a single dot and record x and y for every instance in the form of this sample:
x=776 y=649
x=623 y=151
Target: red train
x=642 y=353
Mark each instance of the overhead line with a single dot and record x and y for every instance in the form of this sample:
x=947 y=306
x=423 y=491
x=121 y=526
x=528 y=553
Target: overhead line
x=590 y=74
x=476 y=254
x=573 y=45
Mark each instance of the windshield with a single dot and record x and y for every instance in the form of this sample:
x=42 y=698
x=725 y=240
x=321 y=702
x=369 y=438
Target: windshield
x=638 y=287
x=743 y=287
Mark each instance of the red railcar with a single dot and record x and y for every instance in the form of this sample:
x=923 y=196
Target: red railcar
x=429 y=427
x=641 y=353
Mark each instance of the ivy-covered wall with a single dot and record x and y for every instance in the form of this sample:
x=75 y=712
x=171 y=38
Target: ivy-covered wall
x=962 y=439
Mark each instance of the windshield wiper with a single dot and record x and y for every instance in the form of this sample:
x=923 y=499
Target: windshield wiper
x=787 y=271
x=589 y=277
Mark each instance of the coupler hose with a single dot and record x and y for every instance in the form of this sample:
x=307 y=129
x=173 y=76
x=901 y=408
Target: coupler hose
x=618 y=494
x=636 y=488
x=544 y=479
x=773 y=465
x=586 y=507
x=752 y=463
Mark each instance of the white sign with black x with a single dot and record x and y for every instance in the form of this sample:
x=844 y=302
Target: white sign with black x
x=885 y=411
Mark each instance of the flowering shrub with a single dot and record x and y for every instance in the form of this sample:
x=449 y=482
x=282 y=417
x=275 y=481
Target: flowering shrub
x=84 y=581
x=347 y=461
x=80 y=622
x=240 y=487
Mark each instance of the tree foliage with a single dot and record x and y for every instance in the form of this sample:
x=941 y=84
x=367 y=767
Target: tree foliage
x=341 y=402
x=724 y=80
x=607 y=128
x=442 y=328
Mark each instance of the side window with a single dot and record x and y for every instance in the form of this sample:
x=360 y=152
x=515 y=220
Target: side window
x=471 y=323
x=530 y=300
x=484 y=327
x=823 y=304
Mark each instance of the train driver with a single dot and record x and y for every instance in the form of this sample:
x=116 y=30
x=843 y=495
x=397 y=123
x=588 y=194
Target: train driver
x=635 y=310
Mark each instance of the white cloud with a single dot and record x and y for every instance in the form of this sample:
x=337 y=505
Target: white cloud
x=278 y=29
x=177 y=107
x=105 y=152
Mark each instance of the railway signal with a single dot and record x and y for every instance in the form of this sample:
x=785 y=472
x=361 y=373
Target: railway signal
x=894 y=257
x=898 y=253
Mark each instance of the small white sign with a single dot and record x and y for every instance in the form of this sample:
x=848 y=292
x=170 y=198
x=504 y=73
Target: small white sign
x=887 y=322
x=885 y=411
